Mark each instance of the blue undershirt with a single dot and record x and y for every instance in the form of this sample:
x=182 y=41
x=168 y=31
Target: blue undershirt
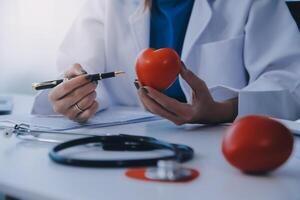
x=169 y=21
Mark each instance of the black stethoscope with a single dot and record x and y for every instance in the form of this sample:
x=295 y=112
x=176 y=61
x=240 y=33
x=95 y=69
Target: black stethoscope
x=166 y=168
x=122 y=142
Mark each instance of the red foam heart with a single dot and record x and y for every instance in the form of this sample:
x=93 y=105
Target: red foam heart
x=158 y=68
x=257 y=144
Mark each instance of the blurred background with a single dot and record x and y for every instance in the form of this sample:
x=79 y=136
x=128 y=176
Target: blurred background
x=30 y=34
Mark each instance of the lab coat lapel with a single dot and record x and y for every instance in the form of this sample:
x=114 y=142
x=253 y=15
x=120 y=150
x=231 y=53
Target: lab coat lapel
x=140 y=26
x=200 y=17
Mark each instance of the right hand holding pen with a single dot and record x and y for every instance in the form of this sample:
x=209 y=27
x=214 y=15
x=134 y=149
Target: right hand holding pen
x=75 y=98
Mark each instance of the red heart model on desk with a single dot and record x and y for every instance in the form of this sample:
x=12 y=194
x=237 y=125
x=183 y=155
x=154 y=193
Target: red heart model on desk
x=257 y=144
x=158 y=68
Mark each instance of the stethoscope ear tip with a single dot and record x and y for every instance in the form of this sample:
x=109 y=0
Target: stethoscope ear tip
x=8 y=132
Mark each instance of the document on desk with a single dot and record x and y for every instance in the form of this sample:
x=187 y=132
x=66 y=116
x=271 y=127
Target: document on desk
x=111 y=117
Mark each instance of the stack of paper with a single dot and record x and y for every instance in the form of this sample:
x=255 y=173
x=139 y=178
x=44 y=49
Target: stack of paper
x=110 y=117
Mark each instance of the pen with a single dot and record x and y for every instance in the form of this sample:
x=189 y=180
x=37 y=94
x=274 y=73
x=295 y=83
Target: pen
x=92 y=77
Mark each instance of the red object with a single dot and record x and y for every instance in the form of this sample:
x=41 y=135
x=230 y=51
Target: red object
x=257 y=144
x=158 y=68
x=139 y=174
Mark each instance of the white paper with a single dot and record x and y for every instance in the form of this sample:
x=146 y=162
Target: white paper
x=110 y=117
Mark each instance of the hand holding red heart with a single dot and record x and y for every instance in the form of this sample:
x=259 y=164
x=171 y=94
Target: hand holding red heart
x=157 y=70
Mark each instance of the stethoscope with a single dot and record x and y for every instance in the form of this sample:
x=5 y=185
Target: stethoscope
x=166 y=167
x=122 y=142
x=24 y=132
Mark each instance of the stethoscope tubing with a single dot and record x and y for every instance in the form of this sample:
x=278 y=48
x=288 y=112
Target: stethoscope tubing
x=181 y=153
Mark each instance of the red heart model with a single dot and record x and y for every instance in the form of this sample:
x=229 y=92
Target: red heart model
x=158 y=68
x=257 y=144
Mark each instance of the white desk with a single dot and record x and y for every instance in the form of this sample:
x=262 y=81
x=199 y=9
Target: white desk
x=27 y=172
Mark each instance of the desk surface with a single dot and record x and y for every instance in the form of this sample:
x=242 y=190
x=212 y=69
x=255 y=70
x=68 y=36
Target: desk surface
x=27 y=172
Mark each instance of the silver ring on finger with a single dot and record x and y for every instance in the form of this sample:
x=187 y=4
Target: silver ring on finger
x=77 y=107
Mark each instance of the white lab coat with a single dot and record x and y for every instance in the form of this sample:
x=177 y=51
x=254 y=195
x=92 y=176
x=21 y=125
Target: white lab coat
x=246 y=48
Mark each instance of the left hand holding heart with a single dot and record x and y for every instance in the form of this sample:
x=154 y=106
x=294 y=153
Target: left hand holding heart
x=203 y=108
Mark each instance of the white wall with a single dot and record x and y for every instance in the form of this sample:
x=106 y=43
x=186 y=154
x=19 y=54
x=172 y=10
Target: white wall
x=30 y=33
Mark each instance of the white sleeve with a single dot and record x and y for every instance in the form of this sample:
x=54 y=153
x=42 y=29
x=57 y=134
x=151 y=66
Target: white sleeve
x=83 y=44
x=272 y=59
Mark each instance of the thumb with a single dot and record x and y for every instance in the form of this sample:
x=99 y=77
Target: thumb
x=74 y=71
x=197 y=84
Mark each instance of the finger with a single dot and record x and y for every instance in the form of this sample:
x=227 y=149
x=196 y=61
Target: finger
x=83 y=104
x=178 y=108
x=138 y=85
x=84 y=116
x=62 y=105
x=87 y=101
x=157 y=109
x=74 y=71
x=144 y=105
x=197 y=84
x=72 y=113
x=67 y=87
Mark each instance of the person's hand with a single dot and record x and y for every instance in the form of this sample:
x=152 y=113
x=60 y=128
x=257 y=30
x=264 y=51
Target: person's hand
x=203 y=109
x=76 y=97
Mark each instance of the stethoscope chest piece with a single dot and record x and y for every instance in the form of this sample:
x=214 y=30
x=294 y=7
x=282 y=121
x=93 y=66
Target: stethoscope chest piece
x=8 y=132
x=168 y=170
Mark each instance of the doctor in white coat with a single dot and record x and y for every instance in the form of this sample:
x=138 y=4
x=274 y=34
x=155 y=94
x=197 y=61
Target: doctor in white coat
x=242 y=57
